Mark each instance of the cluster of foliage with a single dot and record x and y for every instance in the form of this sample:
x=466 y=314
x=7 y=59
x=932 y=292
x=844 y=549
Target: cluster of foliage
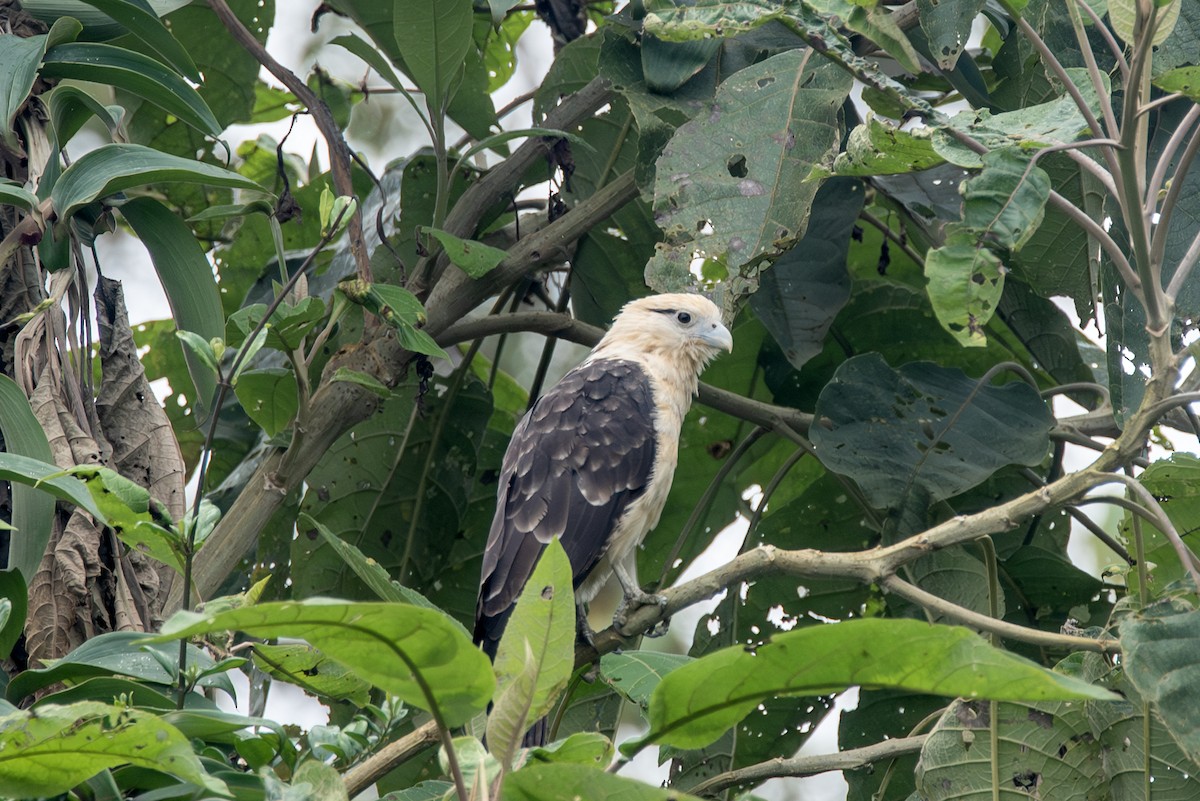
x=894 y=405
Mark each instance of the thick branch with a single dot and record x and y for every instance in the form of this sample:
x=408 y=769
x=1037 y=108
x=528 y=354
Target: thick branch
x=339 y=151
x=505 y=178
x=388 y=758
x=797 y=766
x=566 y=327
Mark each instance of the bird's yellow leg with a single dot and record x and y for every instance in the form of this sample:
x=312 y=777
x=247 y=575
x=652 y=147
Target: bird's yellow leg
x=633 y=599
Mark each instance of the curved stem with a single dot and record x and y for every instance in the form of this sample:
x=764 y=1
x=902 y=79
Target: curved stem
x=992 y=625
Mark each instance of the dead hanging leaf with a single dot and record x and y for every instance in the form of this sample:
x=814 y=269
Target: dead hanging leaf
x=69 y=443
x=144 y=446
x=59 y=605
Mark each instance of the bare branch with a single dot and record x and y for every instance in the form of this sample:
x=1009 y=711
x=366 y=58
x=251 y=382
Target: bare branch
x=850 y=759
x=388 y=758
x=1009 y=631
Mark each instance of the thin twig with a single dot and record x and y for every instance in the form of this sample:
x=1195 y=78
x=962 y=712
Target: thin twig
x=339 y=151
x=888 y=233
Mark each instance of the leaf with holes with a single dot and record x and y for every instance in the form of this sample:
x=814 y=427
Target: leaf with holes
x=966 y=281
x=730 y=184
x=925 y=426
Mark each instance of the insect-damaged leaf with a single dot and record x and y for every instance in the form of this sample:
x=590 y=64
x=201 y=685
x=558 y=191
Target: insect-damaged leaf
x=924 y=426
x=731 y=183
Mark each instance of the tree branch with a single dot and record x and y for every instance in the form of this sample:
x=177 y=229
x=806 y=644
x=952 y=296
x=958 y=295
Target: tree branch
x=797 y=766
x=1009 y=631
x=388 y=758
x=566 y=327
x=339 y=151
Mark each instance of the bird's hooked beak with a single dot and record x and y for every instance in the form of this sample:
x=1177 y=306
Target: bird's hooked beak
x=716 y=336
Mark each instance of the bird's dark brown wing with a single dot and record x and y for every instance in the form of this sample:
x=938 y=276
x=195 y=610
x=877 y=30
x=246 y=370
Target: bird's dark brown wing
x=580 y=456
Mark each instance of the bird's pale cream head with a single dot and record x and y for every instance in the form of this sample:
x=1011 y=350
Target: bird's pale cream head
x=680 y=325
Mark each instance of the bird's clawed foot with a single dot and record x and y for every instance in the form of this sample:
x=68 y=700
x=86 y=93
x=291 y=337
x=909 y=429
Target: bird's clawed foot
x=633 y=602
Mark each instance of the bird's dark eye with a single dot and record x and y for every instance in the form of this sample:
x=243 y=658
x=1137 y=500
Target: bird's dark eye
x=684 y=317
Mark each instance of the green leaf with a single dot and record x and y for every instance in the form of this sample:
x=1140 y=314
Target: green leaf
x=730 y=184
x=311 y=671
x=925 y=426
x=269 y=396
x=636 y=674
x=707 y=18
x=947 y=24
x=140 y=19
x=1004 y=204
x=435 y=39
x=1162 y=662
x=135 y=73
x=877 y=148
x=536 y=653
x=1072 y=751
x=1181 y=79
x=1123 y=16
x=52 y=749
x=32 y=511
x=140 y=521
x=71 y=108
x=323 y=781
x=19 y=60
x=1055 y=122
x=362 y=379
x=799 y=297
x=567 y=782
x=581 y=748
x=12 y=194
x=1175 y=482
x=416 y=654
x=14 y=595
x=693 y=705
x=121 y=653
x=49 y=478
x=110 y=169
x=966 y=281
x=473 y=258
x=187 y=279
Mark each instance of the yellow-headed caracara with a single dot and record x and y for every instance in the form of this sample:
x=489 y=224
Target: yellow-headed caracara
x=592 y=461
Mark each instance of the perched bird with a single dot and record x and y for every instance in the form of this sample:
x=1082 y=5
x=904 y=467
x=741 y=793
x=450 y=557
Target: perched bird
x=592 y=461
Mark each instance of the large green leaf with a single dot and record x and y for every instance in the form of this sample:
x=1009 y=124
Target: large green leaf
x=635 y=674
x=110 y=169
x=51 y=749
x=536 y=653
x=925 y=426
x=140 y=19
x=806 y=287
x=19 y=60
x=694 y=704
x=135 y=73
x=434 y=38
x=730 y=184
x=48 y=478
x=701 y=20
x=414 y=653
x=187 y=279
x=1162 y=661
x=1074 y=751
x=32 y=510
